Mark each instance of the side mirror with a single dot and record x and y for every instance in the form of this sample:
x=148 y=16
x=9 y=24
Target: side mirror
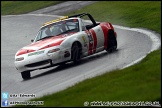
x=32 y=40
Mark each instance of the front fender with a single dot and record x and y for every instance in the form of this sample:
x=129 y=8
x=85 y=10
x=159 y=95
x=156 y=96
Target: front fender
x=77 y=37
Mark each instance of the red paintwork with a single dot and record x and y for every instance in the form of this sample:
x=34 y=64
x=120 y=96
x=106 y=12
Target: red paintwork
x=105 y=27
x=53 y=44
x=95 y=40
x=24 y=51
x=90 y=45
x=56 y=41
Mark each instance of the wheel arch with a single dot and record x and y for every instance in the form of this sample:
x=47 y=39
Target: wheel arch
x=76 y=51
x=79 y=44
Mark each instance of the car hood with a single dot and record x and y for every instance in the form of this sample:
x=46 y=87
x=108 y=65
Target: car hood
x=43 y=44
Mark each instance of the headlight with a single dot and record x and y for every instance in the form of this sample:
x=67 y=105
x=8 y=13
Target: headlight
x=54 y=50
x=20 y=59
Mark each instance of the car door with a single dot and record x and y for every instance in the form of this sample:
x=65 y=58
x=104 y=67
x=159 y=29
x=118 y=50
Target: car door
x=95 y=38
x=98 y=37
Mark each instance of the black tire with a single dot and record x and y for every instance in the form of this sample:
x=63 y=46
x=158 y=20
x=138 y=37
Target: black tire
x=25 y=75
x=112 y=42
x=76 y=53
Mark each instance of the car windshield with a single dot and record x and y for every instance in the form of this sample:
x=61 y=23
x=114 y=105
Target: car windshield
x=58 y=28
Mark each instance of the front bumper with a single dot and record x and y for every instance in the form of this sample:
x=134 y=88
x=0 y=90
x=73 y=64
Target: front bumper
x=39 y=61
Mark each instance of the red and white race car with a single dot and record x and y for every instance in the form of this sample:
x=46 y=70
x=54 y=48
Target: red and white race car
x=65 y=39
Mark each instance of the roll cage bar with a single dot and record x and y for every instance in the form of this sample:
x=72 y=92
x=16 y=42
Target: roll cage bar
x=83 y=14
x=77 y=15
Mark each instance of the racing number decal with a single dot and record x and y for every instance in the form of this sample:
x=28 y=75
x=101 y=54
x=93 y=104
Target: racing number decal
x=90 y=44
x=92 y=41
x=90 y=38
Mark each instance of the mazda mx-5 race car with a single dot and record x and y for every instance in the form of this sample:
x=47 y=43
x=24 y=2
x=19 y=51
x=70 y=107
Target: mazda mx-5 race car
x=63 y=40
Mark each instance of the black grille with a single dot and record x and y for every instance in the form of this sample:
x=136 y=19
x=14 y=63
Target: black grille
x=38 y=63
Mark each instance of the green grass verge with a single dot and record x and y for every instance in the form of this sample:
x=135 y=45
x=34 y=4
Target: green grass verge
x=21 y=7
x=146 y=14
x=141 y=82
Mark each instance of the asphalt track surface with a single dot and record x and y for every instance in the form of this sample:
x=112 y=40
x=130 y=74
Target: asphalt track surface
x=18 y=30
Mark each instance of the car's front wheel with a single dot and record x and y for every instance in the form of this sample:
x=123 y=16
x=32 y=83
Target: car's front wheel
x=25 y=75
x=76 y=53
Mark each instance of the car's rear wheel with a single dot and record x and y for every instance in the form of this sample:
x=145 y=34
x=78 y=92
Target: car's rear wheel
x=112 y=42
x=76 y=53
x=25 y=75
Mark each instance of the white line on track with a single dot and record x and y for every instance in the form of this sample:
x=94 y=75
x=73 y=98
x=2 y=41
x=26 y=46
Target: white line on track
x=156 y=43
